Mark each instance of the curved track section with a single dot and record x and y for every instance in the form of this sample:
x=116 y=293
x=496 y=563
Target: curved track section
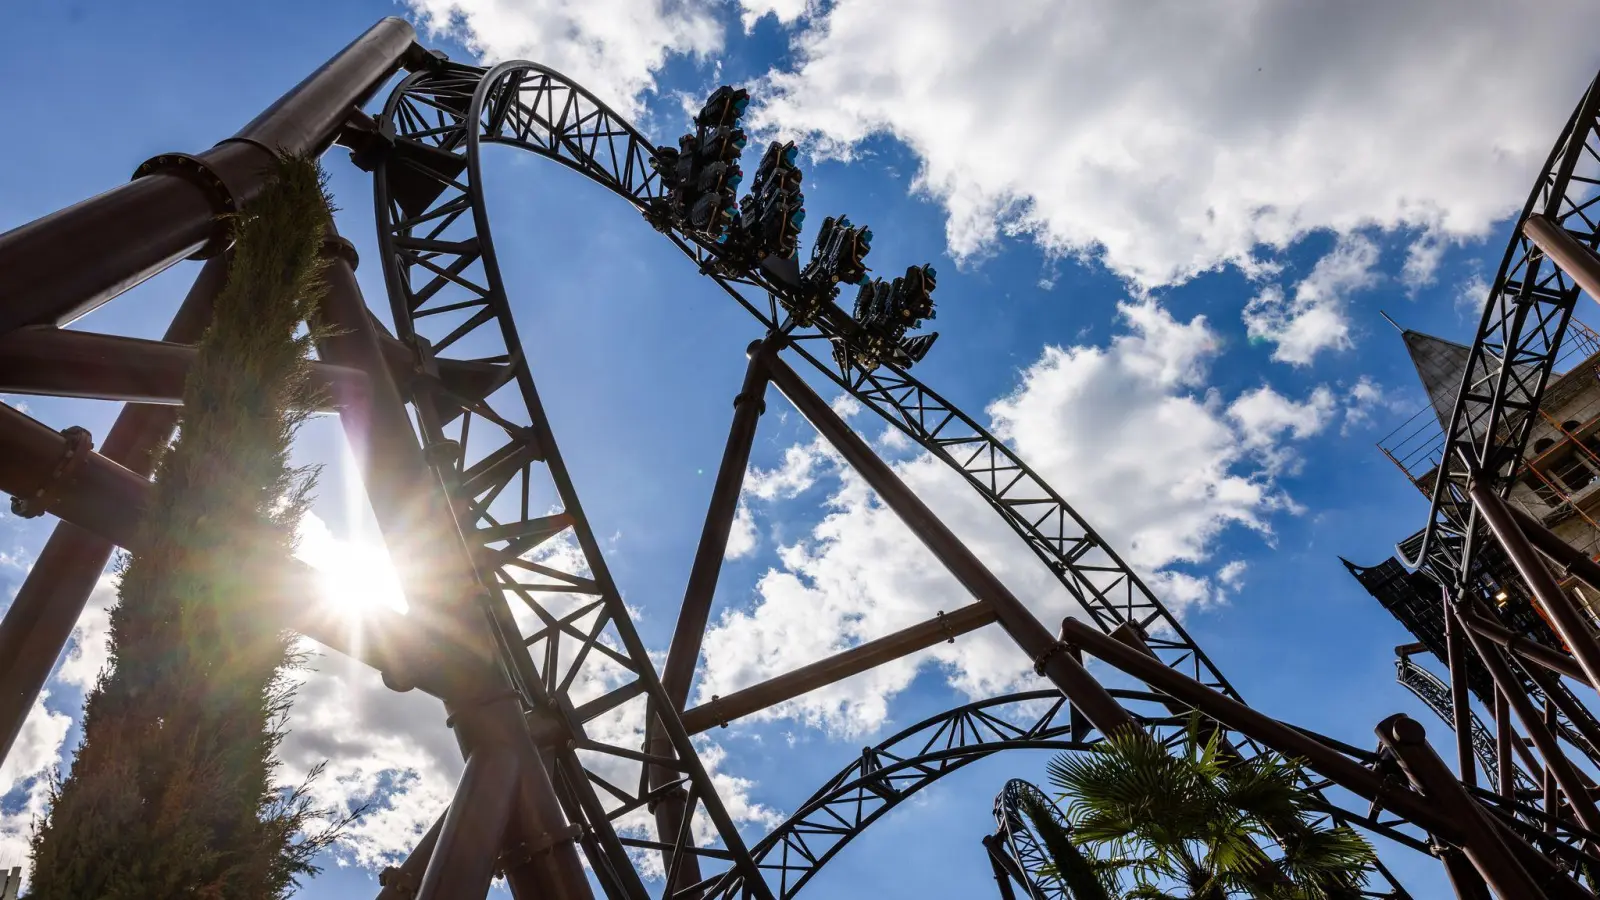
x=1514 y=351
x=566 y=634
x=1023 y=843
x=889 y=773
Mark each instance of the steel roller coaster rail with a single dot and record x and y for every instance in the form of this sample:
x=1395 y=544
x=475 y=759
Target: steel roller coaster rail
x=554 y=697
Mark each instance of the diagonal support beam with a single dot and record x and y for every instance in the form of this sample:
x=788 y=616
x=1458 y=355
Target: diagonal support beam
x=1570 y=559
x=684 y=651
x=1290 y=742
x=1556 y=763
x=858 y=659
x=1524 y=647
x=1048 y=655
x=1430 y=776
x=57 y=268
x=59 y=362
x=1557 y=606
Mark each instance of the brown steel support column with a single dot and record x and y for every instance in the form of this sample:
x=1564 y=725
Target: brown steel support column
x=1555 y=761
x=52 y=596
x=1557 y=606
x=684 y=651
x=1042 y=648
x=858 y=659
x=59 y=267
x=465 y=851
x=1004 y=866
x=1460 y=698
x=1570 y=559
x=1464 y=879
x=1431 y=777
x=446 y=593
x=1504 y=739
x=1289 y=742
x=60 y=362
x=1578 y=261
x=1523 y=647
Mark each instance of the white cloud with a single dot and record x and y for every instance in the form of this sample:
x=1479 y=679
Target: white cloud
x=1315 y=318
x=791 y=479
x=1232 y=574
x=1173 y=137
x=1365 y=399
x=744 y=536
x=785 y=11
x=612 y=47
x=1185 y=469
x=1471 y=296
x=1265 y=418
x=91 y=638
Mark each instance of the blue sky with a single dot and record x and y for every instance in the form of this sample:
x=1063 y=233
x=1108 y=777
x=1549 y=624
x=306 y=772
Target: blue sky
x=1163 y=240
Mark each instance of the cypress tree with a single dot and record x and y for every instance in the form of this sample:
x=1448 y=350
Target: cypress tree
x=171 y=793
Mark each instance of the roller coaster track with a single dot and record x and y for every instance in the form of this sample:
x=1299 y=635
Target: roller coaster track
x=565 y=632
x=1023 y=844
x=1432 y=691
x=1513 y=353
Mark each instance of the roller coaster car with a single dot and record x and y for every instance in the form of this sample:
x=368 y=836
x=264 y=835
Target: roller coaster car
x=778 y=169
x=914 y=295
x=724 y=107
x=838 y=254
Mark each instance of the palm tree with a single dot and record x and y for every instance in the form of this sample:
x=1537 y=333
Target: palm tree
x=1201 y=823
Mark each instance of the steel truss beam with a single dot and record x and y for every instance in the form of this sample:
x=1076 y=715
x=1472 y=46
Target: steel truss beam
x=441 y=271
x=1433 y=692
x=1015 y=834
x=1549 y=262
x=556 y=622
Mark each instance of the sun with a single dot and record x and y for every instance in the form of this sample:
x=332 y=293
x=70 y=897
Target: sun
x=354 y=576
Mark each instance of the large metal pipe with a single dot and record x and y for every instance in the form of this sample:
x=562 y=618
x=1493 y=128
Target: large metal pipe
x=842 y=665
x=1523 y=646
x=1556 y=763
x=59 y=267
x=1571 y=560
x=1431 y=777
x=64 y=574
x=684 y=651
x=1504 y=738
x=466 y=850
x=1289 y=742
x=1578 y=261
x=107 y=500
x=1047 y=653
x=47 y=471
x=1557 y=606
x=1460 y=697
x=436 y=568
x=59 y=362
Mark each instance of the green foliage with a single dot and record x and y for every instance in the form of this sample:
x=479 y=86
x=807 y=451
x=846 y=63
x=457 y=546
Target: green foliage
x=1085 y=877
x=1197 y=823
x=171 y=792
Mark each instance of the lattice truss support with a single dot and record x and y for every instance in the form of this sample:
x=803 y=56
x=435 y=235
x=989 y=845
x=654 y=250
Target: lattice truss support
x=573 y=741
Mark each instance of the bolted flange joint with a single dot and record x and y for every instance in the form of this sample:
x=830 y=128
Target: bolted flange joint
x=202 y=174
x=37 y=502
